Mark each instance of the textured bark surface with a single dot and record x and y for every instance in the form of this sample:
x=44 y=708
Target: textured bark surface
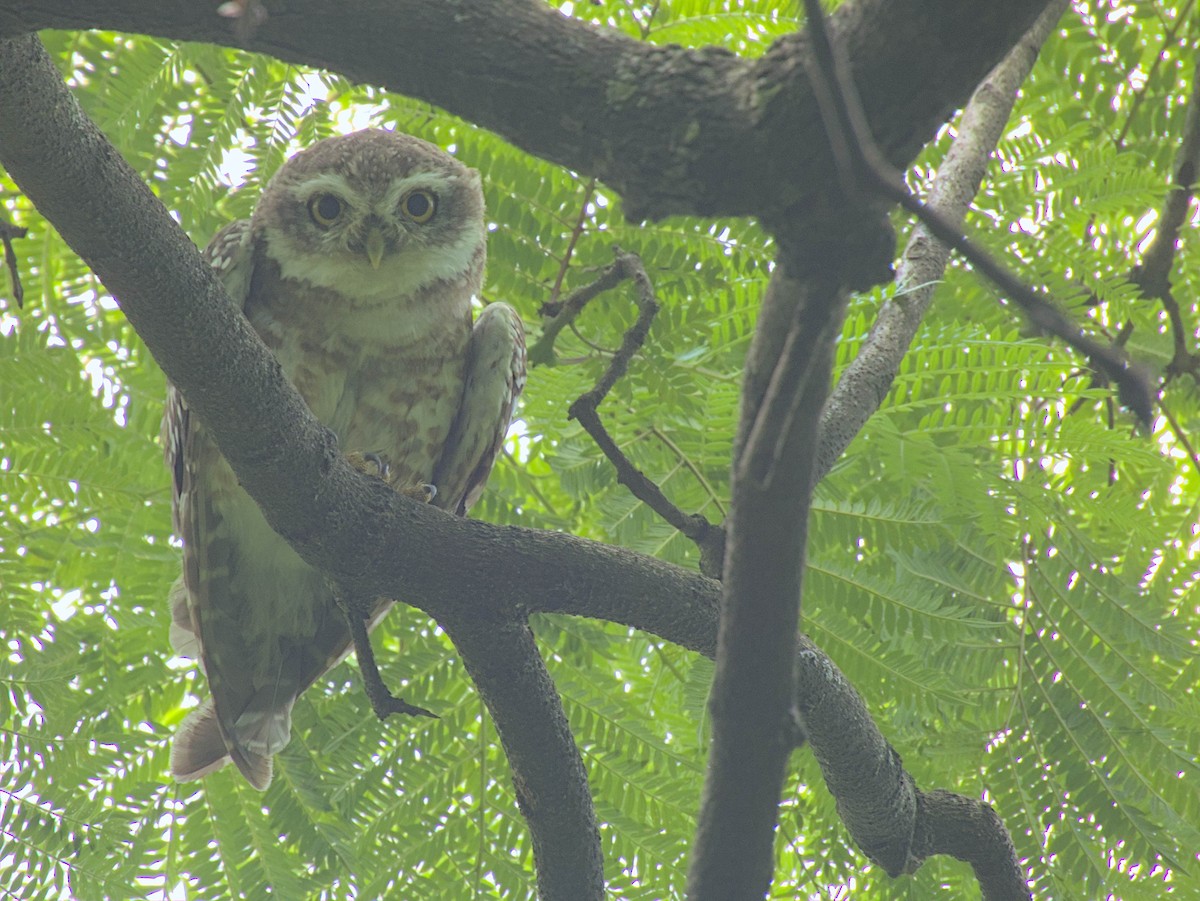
x=753 y=696
x=673 y=130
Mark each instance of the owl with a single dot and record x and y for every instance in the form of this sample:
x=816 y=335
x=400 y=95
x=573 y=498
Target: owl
x=357 y=268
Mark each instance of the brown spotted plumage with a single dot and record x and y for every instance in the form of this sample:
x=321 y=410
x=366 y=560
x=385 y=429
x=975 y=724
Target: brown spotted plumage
x=358 y=270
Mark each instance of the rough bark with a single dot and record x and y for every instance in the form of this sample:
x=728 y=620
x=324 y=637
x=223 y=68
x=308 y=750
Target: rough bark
x=547 y=772
x=753 y=694
x=673 y=130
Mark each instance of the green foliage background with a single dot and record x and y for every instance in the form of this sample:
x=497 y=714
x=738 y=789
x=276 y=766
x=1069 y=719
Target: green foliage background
x=1001 y=563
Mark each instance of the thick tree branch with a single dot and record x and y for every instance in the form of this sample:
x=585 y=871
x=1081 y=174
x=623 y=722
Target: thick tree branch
x=866 y=381
x=753 y=694
x=969 y=830
x=895 y=823
x=548 y=775
x=673 y=130
x=879 y=812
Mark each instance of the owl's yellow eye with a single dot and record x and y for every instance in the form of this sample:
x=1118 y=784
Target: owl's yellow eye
x=419 y=206
x=325 y=209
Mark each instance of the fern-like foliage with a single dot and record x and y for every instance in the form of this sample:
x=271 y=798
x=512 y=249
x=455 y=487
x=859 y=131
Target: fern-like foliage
x=1001 y=563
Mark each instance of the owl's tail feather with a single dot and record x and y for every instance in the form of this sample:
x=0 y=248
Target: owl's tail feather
x=255 y=767
x=265 y=726
x=199 y=748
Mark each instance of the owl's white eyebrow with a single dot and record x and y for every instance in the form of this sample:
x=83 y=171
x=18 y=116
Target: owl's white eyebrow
x=326 y=182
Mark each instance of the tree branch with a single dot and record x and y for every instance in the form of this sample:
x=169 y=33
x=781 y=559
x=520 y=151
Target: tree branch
x=8 y=232
x=674 y=130
x=558 y=315
x=548 y=775
x=866 y=381
x=1153 y=274
x=969 y=830
x=865 y=169
x=709 y=539
x=754 y=685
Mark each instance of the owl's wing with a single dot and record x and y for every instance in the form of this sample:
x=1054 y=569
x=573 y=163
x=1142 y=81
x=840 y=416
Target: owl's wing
x=201 y=744
x=495 y=375
x=229 y=253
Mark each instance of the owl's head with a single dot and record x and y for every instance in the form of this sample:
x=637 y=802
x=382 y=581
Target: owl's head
x=374 y=214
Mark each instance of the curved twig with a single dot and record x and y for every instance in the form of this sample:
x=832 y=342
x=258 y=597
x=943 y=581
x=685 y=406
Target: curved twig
x=8 y=232
x=710 y=539
x=561 y=314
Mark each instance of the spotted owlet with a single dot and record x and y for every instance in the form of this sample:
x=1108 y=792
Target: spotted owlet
x=357 y=268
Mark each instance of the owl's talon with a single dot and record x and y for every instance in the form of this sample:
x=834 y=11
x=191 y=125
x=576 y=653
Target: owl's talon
x=376 y=465
x=370 y=464
x=381 y=465
x=423 y=493
x=388 y=704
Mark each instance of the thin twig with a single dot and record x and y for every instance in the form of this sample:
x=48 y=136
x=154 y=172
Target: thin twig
x=709 y=539
x=1181 y=436
x=586 y=342
x=8 y=231
x=542 y=350
x=1153 y=275
x=1139 y=95
x=529 y=483
x=861 y=162
x=690 y=466
x=1156 y=260
x=565 y=263
x=628 y=266
x=644 y=26
x=1134 y=386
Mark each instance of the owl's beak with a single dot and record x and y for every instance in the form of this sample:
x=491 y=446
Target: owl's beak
x=374 y=245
